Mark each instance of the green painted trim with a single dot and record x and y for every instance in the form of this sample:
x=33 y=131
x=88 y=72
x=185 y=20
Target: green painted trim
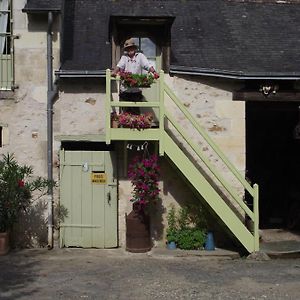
x=108 y=106
x=256 y=214
x=84 y=138
x=128 y=134
x=161 y=112
x=135 y=104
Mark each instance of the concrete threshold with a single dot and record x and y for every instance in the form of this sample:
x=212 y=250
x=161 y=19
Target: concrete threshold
x=203 y=254
x=281 y=249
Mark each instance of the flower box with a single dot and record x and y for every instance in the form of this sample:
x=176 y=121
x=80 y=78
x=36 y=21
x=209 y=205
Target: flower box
x=130 y=80
x=129 y=120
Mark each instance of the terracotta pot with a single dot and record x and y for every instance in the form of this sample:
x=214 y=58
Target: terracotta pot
x=4 y=243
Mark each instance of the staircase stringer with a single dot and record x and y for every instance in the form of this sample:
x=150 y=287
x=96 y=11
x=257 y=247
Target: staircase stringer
x=209 y=193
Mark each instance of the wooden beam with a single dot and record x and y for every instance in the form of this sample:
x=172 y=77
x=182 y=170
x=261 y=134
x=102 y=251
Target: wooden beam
x=258 y=96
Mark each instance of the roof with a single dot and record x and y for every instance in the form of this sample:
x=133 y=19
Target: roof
x=34 y=6
x=230 y=38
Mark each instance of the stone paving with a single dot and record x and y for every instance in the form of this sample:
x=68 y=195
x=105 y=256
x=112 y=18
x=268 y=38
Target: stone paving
x=116 y=274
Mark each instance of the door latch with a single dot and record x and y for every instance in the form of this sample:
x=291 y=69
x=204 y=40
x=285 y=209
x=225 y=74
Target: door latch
x=108 y=198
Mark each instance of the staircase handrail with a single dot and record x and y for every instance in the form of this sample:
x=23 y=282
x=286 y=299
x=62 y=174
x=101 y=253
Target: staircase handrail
x=210 y=166
x=211 y=143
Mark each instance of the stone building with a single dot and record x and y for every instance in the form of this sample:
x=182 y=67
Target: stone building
x=232 y=64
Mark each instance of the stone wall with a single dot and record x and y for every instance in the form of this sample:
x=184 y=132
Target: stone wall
x=24 y=111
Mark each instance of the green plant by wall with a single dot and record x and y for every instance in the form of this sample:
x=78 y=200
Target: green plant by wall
x=16 y=188
x=172 y=225
x=191 y=238
x=181 y=230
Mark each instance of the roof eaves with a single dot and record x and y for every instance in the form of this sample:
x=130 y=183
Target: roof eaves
x=232 y=74
x=40 y=11
x=80 y=73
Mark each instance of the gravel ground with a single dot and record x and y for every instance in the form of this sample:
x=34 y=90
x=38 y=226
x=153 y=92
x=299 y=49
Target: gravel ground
x=115 y=274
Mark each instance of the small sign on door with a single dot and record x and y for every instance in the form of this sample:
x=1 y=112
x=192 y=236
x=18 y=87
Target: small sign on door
x=98 y=178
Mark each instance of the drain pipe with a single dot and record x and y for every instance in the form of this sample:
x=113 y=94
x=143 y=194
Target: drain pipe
x=51 y=94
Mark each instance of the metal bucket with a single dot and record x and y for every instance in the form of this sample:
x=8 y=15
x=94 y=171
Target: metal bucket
x=138 y=238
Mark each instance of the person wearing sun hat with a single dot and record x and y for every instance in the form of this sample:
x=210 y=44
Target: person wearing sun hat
x=132 y=61
x=135 y=63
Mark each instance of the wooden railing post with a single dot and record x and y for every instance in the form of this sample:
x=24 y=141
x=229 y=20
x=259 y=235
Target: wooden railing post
x=161 y=112
x=256 y=216
x=107 y=106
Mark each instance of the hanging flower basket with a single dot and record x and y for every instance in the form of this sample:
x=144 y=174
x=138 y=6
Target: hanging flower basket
x=130 y=80
x=144 y=175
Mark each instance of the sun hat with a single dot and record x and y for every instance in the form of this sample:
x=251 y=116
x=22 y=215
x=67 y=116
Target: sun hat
x=129 y=43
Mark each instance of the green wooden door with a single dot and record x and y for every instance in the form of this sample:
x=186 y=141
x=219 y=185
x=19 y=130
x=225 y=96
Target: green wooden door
x=88 y=191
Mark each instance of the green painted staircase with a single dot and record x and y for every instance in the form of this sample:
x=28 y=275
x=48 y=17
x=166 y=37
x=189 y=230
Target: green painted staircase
x=169 y=146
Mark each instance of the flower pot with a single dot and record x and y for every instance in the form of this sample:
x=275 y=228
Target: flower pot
x=171 y=246
x=209 y=243
x=138 y=239
x=4 y=243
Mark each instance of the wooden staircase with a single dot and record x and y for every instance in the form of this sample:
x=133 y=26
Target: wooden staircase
x=168 y=146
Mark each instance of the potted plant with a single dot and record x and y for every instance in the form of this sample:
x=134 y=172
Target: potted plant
x=16 y=185
x=172 y=229
x=183 y=232
x=130 y=80
x=144 y=175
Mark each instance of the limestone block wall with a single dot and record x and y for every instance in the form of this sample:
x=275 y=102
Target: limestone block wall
x=24 y=111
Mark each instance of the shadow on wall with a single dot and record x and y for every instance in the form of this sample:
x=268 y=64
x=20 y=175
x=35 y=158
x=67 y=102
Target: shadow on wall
x=32 y=229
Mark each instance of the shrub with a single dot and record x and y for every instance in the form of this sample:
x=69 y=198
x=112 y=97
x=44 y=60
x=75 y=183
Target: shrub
x=190 y=238
x=183 y=231
x=16 y=186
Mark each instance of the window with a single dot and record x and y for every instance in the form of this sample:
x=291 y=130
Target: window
x=153 y=35
x=3 y=135
x=147 y=47
x=6 y=45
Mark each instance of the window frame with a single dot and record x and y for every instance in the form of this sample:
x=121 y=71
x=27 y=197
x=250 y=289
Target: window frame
x=158 y=29
x=7 y=58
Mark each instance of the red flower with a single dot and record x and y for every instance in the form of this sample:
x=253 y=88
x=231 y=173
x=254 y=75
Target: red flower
x=21 y=183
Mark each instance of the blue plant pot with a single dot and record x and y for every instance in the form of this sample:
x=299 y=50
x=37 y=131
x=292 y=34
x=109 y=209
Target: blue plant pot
x=171 y=246
x=209 y=243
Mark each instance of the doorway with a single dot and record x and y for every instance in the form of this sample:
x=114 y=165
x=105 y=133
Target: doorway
x=273 y=161
x=88 y=192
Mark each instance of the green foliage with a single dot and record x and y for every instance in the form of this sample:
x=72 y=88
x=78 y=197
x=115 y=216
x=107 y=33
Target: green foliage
x=190 y=238
x=136 y=80
x=172 y=225
x=183 y=231
x=17 y=186
x=183 y=218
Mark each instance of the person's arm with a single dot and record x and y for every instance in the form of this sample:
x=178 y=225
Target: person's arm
x=120 y=66
x=145 y=64
x=152 y=70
